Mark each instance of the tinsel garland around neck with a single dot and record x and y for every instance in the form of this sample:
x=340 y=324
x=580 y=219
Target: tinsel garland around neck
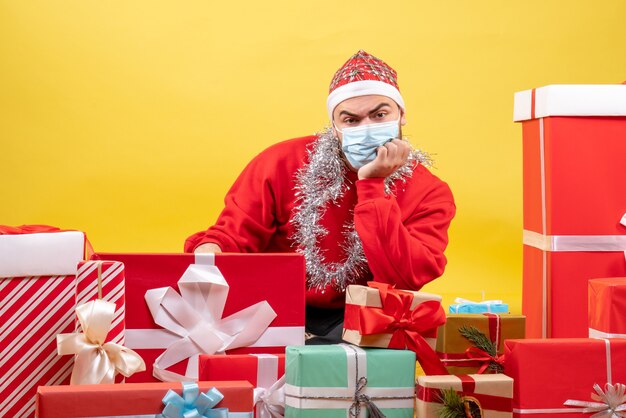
x=323 y=181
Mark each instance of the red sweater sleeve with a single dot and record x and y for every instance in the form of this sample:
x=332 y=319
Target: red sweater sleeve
x=247 y=221
x=404 y=249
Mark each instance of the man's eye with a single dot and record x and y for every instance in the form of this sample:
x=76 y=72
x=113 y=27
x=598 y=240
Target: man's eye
x=349 y=121
x=381 y=115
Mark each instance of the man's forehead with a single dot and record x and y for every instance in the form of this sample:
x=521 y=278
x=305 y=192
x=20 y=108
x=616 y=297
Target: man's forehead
x=364 y=104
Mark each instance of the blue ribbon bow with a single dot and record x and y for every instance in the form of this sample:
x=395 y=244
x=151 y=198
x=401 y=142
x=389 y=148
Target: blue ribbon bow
x=193 y=403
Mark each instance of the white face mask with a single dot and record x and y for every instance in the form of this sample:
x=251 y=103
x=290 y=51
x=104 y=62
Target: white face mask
x=359 y=143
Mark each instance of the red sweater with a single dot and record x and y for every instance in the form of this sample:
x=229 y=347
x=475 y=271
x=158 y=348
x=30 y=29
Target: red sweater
x=403 y=237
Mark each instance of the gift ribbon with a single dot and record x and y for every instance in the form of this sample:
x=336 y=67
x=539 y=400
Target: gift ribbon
x=594 y=333
x=195 y=317
x=193 y=403
x=356 y=397
x=486 y=303
x=609 y=378
x=569 y=243
x=269 y=395
x=609 y=403
x=270 y=402
x=468 y=387
x=97 y=361
x=99 y=279
x=405 y=324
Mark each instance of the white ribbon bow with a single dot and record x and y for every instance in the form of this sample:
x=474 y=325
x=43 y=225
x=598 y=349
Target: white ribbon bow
x=270 y=402
x=96 y=361
x=611 y=402
x=195 y=316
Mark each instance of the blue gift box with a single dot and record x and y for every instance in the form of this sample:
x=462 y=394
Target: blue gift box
x=464 y=306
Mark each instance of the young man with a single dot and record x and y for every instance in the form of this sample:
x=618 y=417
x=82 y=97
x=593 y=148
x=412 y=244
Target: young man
x=355 y=199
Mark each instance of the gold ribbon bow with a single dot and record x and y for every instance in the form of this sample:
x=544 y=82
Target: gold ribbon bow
x=97 y=361
x=611 y=402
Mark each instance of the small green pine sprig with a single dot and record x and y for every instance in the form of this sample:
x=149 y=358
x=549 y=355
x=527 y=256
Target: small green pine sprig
x=480 y=340
x=455 y=406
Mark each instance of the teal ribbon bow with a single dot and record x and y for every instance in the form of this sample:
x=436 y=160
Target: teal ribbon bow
x=193 y=403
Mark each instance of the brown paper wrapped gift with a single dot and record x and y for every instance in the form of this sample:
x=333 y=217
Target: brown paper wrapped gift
x=492 y=394
x=366 y=297
x=452 y=346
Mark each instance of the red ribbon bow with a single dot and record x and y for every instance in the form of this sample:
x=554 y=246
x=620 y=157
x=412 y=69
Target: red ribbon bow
x=405 y=324
x=483 y=357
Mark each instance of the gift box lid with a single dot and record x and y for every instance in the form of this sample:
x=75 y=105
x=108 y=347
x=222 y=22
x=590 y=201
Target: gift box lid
x=570 y=100
x=41 y=254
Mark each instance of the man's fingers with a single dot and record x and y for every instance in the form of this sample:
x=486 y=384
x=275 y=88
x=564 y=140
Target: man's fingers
x=381 y=153
x=406 y=149
x=392 y=149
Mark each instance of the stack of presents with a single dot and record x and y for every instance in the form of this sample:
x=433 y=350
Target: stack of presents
x=183 y=335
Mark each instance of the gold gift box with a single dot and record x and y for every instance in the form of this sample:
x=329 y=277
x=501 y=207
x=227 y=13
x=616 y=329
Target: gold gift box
x=451 y=342
x=497 y=403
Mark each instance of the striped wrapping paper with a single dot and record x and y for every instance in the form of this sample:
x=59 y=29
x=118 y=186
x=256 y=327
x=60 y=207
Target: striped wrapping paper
x=33 y=310
x=103 y=280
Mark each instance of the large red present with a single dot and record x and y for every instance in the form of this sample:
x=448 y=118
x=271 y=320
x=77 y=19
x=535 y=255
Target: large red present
x=574 y=200
x=264 y=371
x=550 y=372
x=37 y=301
x=202 y=301
x=142 y=399
x=607 y=307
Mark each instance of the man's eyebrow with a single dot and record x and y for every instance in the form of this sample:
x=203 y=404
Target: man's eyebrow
x=380 y=106
x=376 y=109
x=345 y=112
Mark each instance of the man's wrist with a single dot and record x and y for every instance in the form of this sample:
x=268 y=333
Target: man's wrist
x=370 y=188
x=208 y=247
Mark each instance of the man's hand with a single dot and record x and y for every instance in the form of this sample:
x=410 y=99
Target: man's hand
x=389 y=158
x=209 y=247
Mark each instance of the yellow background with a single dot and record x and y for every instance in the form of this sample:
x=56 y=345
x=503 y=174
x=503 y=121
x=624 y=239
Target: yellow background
x=130 y=119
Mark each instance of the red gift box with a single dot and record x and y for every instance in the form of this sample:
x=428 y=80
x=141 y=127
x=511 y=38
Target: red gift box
x=261 y=370
x=131 y=399
x=278 y=279
x=549 y=372
x=377 y=315
x=574 y=200
x=607 y=307
x=33 y=310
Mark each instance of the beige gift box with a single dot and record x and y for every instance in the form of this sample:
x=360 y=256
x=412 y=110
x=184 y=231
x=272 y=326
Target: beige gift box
x=363 y=296
x=492 y=392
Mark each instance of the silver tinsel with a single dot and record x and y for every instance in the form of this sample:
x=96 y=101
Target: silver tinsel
x=320 y=182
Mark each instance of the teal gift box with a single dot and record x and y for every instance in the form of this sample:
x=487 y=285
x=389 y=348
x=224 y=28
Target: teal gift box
x=464 y=306
x=340 y=381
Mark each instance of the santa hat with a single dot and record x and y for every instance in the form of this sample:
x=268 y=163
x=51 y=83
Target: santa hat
x=363 y=74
